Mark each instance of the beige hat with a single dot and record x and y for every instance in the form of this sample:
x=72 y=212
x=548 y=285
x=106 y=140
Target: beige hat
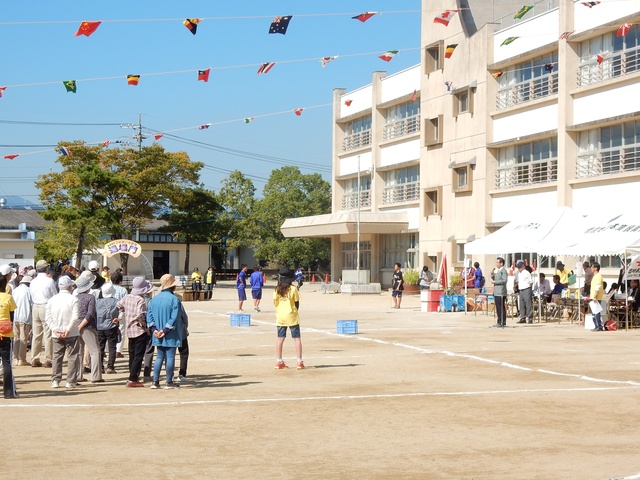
x=167 y=281
x=26 y=279
x=42 y=264
x=85 y=281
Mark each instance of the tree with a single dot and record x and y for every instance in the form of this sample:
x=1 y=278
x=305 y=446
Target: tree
x=76 y=198
x=58 y=241
x=290 y=194
x=193 y=218
x=237 y=198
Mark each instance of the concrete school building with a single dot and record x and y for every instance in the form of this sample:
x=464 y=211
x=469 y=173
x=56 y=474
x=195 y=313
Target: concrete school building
x=503 y=116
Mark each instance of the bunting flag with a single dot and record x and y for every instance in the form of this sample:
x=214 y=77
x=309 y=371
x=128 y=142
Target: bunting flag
x=133 y=79
x=2 y=89
x=449 y=50
x=623 y=30
x=509 y=40
x=64 y=151
x=413 y=96
x=204 y=126
x=449 y=85
x=348 y=102
x=280 y=24
x=265 y=67
x=443 y=273
x=590 y=4
x=12 y=156
x=87 y=28
x=497 y=74
x=325 y=60
x=203 y=75
x=565 y=35
x=550 y=66
x=363 y=17
x=523 y=11
x=387 y=56
x=599 y=59
x=106 y=143
x=248 y=120
x=298 y=111
x=70 y=85
x=192 y=25
x=158 y=136
x=445 y=17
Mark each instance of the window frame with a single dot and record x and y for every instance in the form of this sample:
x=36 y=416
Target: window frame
x=434 y=57
x=456 y=174
x=433 y=131
x=433 y=207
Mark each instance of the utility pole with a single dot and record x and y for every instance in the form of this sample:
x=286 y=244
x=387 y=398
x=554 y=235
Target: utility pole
x=138 y=136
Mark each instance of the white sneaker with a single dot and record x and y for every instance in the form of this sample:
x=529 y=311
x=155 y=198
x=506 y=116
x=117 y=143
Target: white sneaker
x=182 y=379
x=70 y=385
x=55 y=384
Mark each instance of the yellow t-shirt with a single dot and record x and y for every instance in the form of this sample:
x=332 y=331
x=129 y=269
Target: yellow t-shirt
x=597 y=287
x=286 y=311
x=7 y=305
x=564 y=275
x=196 y=277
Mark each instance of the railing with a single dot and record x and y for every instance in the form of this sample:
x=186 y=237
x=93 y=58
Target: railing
x=356 y=140
x=608 y=162
x=350 y=200
x=400 y=128
x=405 y=192
x=528 y=90
x=617 y=64
x=529 y=173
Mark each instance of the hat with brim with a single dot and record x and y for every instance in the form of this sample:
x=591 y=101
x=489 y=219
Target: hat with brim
x=85 y=281
x=285 y=275
x=168 y=281
x=107 y=290
x=140 y=286
x=65 y=281
x=6 y=269
x=26 y=279
x=42 y=264
x=560 y=266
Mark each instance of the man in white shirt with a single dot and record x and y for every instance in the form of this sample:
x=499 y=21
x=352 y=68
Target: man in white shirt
x=543 y=287
x=525 y=293
x=61 y=313
x=22 y=320
x=42 y=289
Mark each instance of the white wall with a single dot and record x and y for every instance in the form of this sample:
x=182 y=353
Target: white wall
x=533 y=33
x=361 y=101
x=413 y=215
x=399 y=153
x=349 y=165
x=506 y=209
x=400 y=84
x=587 y=18
x=600 y=199
x=607 y=103
x=525 y=123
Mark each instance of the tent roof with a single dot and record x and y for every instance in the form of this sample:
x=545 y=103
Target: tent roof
x=528 y=233
x=345 y=223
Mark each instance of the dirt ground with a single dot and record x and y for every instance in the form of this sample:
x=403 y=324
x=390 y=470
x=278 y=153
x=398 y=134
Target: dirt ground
x=412 y=395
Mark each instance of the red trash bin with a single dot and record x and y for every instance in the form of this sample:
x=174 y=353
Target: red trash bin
x=433 y=300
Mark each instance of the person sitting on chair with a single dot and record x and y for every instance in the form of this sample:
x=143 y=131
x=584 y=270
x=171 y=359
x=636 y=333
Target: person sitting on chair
x=543 y=288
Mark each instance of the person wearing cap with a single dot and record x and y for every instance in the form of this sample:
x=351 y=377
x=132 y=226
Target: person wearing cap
x=165 y=324
x=61 y=315
x=286 y=299
x=564 y=273
x=525 y=293
x=22 y=321
x=7 y=271
x=98 y=279
x=108 y=323
x=87 y=326
x=133 y=313
x=42 y=288
x=7 y=308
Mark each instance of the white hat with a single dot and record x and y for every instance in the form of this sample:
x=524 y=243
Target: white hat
x=93 y=266
x=85 y=281
x=107 y=290
x=26 y=279
x=6 y=269
x=65 y=282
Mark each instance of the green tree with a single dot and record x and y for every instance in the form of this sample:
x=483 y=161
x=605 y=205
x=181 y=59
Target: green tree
x=59 y=241
x=290 y=194
x=237 y=196
x=193 y=218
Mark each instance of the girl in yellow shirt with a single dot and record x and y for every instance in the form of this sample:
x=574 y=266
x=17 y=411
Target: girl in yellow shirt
x=286 y=299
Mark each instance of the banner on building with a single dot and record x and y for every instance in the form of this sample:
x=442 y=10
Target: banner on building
x=123 y=246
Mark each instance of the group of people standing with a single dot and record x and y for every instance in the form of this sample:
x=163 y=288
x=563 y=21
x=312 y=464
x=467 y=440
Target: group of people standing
x=198 y=281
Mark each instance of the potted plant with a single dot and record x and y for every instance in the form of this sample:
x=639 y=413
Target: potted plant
x=411 y=278
x=455 y=282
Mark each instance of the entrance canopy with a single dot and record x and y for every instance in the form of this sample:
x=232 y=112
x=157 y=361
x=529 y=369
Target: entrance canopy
x=529 y=233
x=345 y=223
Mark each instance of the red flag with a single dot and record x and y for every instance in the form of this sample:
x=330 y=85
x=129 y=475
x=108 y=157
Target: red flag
x=590 y=4
x=2 y=89
x=534 y=266
x=106 y=143
x=600 y=58
x=348 y=102
x=158 y=136
x=204 y=126
x=265 y=67
x=443 y=277
x=497 y=74
x=445 y=17
x=12 y=156
x=363 y=17
x=192 y=24
x=512 y=268
x=87 y=28
x=133 y=79
x=565 y=35
x=623 y=30
x=203 y=75
x=298 y=111
x=413 y=97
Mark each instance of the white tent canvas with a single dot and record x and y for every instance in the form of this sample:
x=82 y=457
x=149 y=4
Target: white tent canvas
x=529 y=233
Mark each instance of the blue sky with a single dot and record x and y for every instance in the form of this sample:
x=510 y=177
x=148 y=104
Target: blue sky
x=40 y=51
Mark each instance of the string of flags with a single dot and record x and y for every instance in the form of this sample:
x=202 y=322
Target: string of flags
x=445 y=17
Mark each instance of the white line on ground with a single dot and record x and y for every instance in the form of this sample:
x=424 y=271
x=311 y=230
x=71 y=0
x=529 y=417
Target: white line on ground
x=322 y=398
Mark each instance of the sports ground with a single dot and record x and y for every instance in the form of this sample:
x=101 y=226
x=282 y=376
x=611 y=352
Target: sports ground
x=412 y=395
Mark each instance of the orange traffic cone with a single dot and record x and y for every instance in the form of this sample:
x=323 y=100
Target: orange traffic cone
x=313 y=278
x=326 y=278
